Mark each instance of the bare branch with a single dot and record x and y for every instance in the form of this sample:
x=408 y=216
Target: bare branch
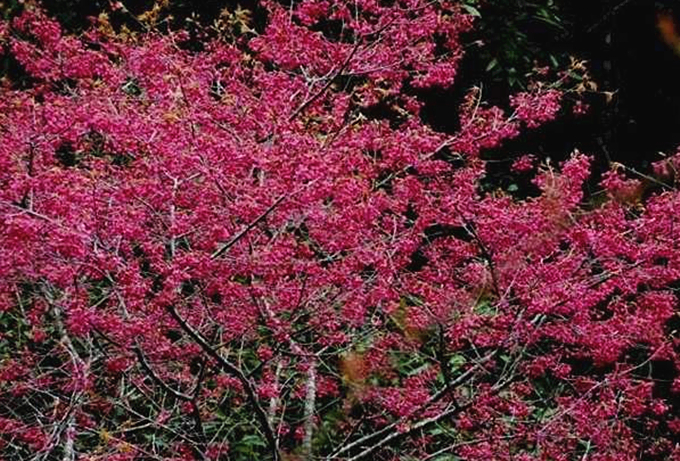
x=310 y=403
x=235 y=371
x=328 y=84
x=165 y=386
x=220 y=251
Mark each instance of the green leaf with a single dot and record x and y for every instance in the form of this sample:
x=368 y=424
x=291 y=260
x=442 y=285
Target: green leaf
x=472 y=11
x=457 y=361
x=251 y=440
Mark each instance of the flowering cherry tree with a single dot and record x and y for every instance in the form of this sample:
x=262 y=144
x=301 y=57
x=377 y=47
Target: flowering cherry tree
x=233 y=253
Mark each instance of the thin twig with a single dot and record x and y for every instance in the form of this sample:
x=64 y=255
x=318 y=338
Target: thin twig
x=220 y=251
x=328 y=84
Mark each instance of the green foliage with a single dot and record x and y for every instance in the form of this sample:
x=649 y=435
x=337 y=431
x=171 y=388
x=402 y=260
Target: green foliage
x=517 y=36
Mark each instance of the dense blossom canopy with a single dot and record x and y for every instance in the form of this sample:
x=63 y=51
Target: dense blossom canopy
x=259 y=251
